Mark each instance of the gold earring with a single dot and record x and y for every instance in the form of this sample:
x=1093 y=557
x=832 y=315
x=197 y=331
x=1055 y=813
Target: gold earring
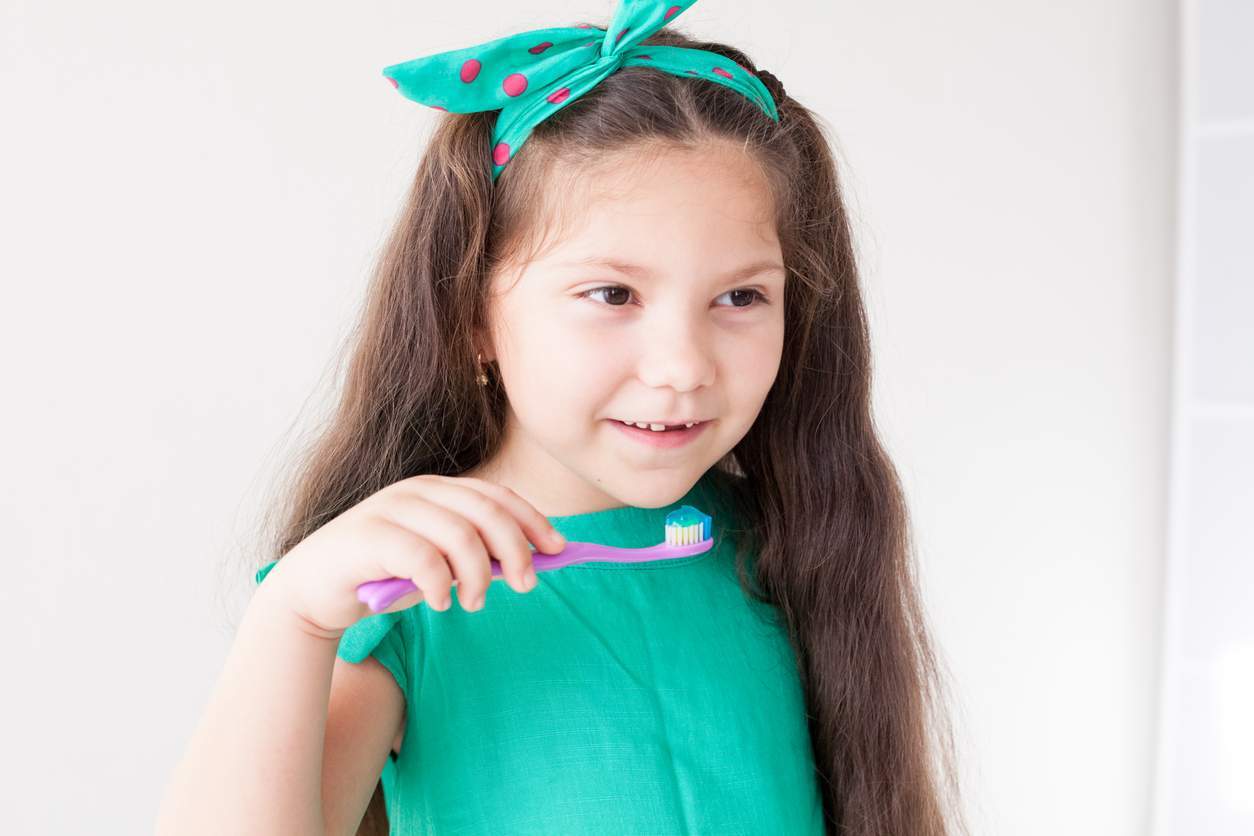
x=483 y=378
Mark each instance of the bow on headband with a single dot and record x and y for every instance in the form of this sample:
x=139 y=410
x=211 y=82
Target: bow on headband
x=528 y=76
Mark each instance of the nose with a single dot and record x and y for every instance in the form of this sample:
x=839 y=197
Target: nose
x=676 y=353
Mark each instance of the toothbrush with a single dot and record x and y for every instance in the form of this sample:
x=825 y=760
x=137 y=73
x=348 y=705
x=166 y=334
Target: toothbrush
x=688 y=532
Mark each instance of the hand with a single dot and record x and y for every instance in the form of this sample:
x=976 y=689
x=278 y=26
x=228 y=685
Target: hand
x=435 y=530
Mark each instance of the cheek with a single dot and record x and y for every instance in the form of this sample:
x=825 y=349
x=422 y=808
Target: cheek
x=554 y=376
x=750 y=361
x=570 y=353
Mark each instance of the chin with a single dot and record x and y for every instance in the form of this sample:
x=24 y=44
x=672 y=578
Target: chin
x=654 y=488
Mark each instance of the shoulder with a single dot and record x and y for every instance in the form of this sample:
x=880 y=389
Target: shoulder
x=726 y=490
x=729 y=495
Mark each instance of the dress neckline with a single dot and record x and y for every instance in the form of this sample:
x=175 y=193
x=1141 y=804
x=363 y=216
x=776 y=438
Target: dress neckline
x=634 y=527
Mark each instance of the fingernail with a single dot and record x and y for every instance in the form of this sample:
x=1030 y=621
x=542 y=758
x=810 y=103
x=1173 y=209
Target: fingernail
x=529 y=579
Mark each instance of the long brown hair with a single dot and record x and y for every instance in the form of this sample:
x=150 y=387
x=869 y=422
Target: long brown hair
x=819 y=500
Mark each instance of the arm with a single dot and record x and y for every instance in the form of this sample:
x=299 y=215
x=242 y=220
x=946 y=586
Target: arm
x=254 y=764
x=365 y=722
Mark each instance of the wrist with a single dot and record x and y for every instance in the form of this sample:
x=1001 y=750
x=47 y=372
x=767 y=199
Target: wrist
x=272 y=606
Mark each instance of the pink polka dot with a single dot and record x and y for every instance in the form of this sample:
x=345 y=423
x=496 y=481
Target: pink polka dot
x=671 y=12
x=538 y=48
x=437 y=107
x=620 y=34
x=470 y=70
x=394 y=84
x=722 y=72
x=500 y=154
x=584 y=26
x=589 y=43
x=558 y=96
x=514 y=84
x=645 y=57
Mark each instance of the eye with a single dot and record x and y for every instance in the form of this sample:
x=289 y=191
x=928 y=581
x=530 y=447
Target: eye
x=754 y=295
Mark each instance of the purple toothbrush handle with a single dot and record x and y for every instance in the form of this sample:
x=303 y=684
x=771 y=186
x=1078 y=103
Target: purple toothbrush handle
x=379 y=595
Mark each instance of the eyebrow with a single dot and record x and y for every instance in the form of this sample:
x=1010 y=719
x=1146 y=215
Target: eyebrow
x=641 y=272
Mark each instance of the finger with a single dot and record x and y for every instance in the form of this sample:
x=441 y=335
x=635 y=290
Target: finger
x=500 y=515
x=406 y=554
x=426 y=512
x=498 y=528
x=535 y=526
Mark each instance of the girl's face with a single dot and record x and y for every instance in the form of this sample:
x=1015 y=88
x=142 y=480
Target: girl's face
x=678 y=333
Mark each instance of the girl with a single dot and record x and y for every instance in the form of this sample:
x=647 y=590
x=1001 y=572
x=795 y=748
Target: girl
x=668 y=247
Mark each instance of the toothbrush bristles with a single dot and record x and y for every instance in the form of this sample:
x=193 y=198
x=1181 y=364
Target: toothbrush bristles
x=686 y=526
x=683 y=535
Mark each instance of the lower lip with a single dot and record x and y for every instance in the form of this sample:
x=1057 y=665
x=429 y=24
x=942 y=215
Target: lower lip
x=666 y=439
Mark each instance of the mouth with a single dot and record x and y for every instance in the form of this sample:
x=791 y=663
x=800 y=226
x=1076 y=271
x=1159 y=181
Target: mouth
x=667 y=438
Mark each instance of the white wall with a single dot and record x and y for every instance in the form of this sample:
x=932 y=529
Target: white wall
x=193 y=195
x=1016 y=164
x=1206 y=750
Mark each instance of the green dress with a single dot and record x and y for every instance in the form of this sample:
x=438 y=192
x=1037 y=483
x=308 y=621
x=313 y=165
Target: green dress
x=646 y=698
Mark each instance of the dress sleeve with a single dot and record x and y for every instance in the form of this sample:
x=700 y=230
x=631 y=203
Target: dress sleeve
x=388 y=637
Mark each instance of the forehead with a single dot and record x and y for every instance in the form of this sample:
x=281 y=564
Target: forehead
x=711 y=202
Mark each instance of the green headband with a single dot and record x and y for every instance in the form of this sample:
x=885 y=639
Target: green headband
x=528 y=76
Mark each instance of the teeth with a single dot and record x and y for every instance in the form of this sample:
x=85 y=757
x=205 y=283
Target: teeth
x=654 y=427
